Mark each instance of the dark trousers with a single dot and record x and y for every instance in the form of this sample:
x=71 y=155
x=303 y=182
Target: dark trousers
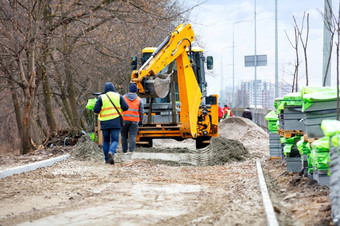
x=129 y=131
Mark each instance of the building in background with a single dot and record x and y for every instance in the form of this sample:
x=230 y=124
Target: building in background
x=244 y=96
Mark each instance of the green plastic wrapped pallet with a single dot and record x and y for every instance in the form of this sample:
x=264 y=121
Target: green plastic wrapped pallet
x=291 y=99
x=336 y=140
x=321 y=145
x=314 y=89
x=320 y=154
x=310 y=160
x=90 y=104
x=321 y=160
x=311 y=98
x=289 y=144
x=287 y=149
x=271 y=116
x=277 y=102
x=330 y=127
x=282 y=140
x=272 y=119
x=302 y=146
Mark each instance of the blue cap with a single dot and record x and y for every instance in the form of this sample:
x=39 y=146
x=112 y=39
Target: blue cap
x=133 y=88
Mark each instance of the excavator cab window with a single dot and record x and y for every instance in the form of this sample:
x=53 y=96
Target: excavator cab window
x=133 y=63
x=210 y=62
x=145 y=57
x=198 y=68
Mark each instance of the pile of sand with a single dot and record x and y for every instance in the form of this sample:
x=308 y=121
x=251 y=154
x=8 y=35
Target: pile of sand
x=225 y=150
x=253 y=137
x=87 y=150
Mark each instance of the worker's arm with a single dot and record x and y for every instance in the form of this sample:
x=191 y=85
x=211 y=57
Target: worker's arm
x=141 y=112
x=98 y=105
x=123 y=105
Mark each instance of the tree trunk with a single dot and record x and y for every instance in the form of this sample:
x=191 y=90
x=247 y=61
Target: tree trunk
x=28 y=89
x=52 y=127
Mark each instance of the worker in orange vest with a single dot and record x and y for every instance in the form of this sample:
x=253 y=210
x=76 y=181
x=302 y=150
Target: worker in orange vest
x=227 y=112
x=133 y=118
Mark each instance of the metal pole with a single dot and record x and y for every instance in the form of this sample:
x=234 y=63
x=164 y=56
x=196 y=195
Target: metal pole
x=233 y=96
x=255 y=68
x=276 y=56
x=222 y=81
x=326 y=43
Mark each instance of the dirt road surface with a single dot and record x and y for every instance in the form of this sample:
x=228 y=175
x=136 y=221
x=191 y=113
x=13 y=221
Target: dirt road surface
x=84 y=191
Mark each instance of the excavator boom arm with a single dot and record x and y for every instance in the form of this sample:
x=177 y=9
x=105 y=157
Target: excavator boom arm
x=173 y=46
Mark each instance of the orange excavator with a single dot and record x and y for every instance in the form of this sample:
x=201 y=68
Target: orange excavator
x=172 y=83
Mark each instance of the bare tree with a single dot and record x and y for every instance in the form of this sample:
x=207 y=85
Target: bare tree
x=295 y=46
x=55 y=53
x=303 y=42
x=328 y=18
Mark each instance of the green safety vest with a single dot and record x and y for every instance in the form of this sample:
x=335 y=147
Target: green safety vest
x=108 y=111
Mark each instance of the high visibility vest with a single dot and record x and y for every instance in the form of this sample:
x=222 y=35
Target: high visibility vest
x=108 y=111
x=132 y=114
x=228 y=113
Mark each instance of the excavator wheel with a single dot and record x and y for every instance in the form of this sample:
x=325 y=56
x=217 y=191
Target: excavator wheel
x=144 y=142
x=202 y=142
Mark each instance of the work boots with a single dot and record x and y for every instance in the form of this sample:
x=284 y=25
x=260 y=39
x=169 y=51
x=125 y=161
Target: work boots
x=111 y=161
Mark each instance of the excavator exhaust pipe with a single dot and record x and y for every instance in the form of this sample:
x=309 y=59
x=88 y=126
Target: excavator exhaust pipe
x=158 y=87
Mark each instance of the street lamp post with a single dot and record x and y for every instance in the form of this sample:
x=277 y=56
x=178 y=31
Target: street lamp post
x=255 y=69
x=233 y=94
x=222 y=77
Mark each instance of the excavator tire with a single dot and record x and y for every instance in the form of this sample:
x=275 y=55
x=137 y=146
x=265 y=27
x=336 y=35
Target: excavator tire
x=202 y=142
x=144 y=142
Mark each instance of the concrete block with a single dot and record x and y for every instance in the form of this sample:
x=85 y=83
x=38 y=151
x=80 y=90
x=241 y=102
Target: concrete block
x=32 y=166
x=294 y=164
x=321 y=177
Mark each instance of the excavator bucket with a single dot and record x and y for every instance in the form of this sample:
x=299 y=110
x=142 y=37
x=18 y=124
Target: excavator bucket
x=157 y=87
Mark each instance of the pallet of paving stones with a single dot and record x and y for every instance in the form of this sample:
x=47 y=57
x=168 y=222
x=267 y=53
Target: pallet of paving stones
x=289 y=133
x=322 y=177
x=275 y=148
x=291 y=118
x=335 y=183
x=313 y=120
x=294 y=164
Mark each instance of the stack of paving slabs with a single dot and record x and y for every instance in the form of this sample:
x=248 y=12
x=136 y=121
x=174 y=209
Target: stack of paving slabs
x=318 y=104
x=290 y=114
x=320 y=158
x=272 y=119
x=335 y=177
x=274 y=139
x=275 y=145
x=305 y=152
x=331 y=129
x=291 y=152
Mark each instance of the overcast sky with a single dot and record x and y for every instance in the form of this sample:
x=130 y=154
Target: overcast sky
x=213 y=24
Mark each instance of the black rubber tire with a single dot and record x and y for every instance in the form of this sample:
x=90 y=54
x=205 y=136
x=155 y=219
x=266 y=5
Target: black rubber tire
x=149 y=145
x=200 y=142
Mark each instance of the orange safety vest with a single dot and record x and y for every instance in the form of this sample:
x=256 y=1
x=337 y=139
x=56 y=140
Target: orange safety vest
x=132 y=114
x=109 y=112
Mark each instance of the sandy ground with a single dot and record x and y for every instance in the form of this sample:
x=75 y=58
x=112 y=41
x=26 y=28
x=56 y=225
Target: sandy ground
x=141 y=192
